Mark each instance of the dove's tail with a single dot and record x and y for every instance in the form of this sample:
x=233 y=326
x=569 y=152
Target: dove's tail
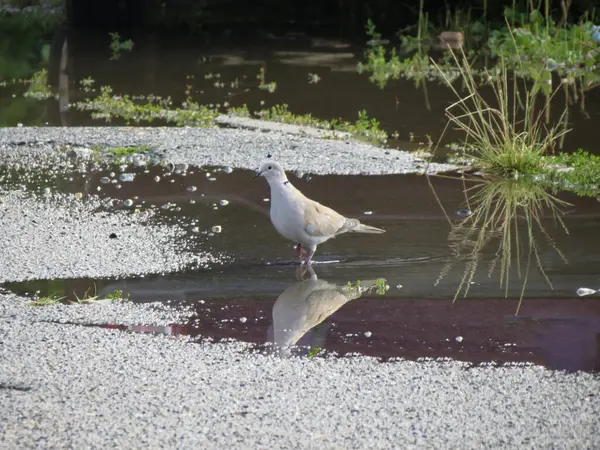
x=362 y=228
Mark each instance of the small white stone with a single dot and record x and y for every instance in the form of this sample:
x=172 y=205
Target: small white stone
x=459 y=338
x=585 y=291
x=368 y=213
x=126 y=177
x=192 y=188
x=157 y=178
x=216 y=229
x=243 y=319
x=128 y=202
x=224 y=202
x=266 y=199
x=227 y=170
x=368 y=334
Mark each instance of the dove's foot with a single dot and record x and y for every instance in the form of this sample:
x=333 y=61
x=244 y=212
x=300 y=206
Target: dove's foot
x=299 y=250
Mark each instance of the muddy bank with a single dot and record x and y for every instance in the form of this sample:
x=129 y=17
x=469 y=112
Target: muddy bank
x=236 y=148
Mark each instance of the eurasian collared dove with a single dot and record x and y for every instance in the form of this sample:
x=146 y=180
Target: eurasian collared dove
x=301 y=219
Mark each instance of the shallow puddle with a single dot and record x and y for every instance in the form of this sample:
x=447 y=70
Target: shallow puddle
x=269 y=308
x=262 y=296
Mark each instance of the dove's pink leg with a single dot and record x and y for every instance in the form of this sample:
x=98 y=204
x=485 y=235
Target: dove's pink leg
x=298 y=250
x=309 y=257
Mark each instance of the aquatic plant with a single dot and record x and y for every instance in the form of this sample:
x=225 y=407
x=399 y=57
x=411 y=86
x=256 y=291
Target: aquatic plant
x=364 y=128
x=577 y=172
x=117 y=46
x=269 y=87
x=109 y=106
x=38 y=86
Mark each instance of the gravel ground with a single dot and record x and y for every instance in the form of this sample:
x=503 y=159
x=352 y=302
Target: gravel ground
x=71 y=386
x=237 y=148
x=62 y=237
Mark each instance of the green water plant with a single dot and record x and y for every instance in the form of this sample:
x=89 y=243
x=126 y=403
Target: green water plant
x=109 y=106
x=117 y=45
x=38 y=87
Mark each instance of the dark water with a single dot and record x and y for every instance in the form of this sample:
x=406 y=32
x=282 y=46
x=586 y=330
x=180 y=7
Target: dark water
x=415 y=318
x=166 y=66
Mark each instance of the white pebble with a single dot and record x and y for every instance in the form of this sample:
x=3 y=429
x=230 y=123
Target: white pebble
x=243 y=319
x=227 y=170
x=216 y=229
x=157 y=178
x=368 y=334
x=126 y=177
x=128 y=202
x=459 y=338
x=224 y=202
x=368 y=213
x=585 y=291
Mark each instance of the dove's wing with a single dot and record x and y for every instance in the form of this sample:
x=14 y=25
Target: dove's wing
x=321 y=221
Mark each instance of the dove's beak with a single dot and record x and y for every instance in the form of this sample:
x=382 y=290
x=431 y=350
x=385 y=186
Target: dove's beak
x=258 y=174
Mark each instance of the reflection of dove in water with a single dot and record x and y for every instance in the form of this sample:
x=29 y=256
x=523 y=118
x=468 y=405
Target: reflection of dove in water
x=306 y=304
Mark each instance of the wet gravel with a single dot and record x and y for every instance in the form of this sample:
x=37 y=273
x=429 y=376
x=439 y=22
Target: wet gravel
x=58 y=236
x=81 y=387
x=237 y=148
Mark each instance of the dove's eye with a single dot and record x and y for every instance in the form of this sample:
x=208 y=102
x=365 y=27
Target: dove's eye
x=270 y=168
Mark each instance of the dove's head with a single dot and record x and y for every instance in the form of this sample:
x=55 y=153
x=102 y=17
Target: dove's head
x=272 y=171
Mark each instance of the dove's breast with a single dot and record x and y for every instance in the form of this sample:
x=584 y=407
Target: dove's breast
x=287 y=215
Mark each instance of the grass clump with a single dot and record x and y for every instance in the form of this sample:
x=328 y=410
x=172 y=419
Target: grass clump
x=506 y=138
